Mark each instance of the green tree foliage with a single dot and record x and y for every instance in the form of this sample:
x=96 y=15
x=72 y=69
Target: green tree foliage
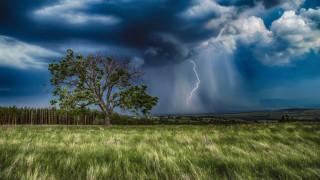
x=108 y=82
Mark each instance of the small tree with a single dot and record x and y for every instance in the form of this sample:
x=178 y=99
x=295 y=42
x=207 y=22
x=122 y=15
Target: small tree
x=108 y=82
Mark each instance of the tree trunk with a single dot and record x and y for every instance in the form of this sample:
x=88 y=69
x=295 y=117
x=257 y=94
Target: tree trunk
x=107 y=119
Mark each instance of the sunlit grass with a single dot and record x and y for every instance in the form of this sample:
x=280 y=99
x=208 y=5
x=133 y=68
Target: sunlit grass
x=254 y=151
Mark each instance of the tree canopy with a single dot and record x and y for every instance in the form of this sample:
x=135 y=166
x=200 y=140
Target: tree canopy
x=102 y=80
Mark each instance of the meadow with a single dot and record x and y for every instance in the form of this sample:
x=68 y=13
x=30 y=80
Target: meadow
x=242 y=151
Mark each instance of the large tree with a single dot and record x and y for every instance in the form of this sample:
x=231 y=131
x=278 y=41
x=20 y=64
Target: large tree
x=102 y=80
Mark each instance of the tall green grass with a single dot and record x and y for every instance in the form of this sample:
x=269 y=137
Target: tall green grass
x=247 y=151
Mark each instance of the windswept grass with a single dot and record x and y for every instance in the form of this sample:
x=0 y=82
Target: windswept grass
x=254 y=151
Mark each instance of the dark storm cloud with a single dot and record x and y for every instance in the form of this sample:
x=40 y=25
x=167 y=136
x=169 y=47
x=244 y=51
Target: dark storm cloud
x=22 y=82
x=15 y=20
x=139 y=22
x=250 y=3
x=140 y=25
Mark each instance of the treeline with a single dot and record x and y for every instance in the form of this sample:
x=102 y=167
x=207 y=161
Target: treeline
x=37 y=116
x=13 y=115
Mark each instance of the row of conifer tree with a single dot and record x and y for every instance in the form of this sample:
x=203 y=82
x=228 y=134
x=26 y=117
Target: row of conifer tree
x=14 y=115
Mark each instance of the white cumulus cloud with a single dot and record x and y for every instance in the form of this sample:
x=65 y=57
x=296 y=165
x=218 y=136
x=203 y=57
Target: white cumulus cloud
x=292 y=4
x=298 y=34
x=290 y=36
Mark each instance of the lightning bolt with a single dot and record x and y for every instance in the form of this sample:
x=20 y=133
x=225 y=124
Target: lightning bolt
x=198 y=82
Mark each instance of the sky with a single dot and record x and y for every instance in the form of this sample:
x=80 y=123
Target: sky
x=249 y=54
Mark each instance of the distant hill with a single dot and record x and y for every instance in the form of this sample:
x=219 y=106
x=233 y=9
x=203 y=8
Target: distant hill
x=298 y=114
x=284 y=115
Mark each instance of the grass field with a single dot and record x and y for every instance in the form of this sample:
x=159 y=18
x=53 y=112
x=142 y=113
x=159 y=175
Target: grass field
x=245 y=151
